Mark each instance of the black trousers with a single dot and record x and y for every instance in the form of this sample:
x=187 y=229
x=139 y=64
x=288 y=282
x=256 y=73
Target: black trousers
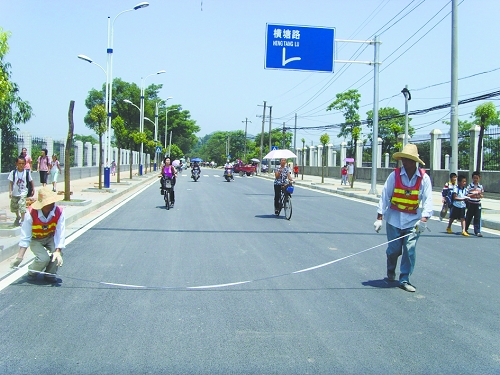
x=474 y=210
x=277 y=197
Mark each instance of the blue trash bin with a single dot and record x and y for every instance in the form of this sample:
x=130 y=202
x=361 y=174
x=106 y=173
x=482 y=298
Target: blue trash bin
x=107 y=178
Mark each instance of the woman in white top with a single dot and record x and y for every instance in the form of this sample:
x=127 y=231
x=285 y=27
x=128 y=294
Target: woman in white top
x=55 y=169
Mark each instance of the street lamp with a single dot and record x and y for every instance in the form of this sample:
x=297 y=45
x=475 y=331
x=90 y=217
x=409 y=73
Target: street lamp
x=89 y=60
x=166 y=117
x=109 y=80
x=142 y=113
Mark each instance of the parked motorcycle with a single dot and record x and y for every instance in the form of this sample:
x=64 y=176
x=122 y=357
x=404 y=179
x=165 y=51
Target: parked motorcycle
x=228 y=174
x=195 y=174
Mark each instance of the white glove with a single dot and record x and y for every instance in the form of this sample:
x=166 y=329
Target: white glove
x=57 y=256
x=421 y=226
x=16 y=262
x=377 y=225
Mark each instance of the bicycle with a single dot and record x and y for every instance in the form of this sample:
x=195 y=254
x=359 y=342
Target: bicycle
x=286 y=201
x=166 y=191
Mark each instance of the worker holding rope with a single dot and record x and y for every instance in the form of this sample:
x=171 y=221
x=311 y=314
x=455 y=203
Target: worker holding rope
x=404 y=190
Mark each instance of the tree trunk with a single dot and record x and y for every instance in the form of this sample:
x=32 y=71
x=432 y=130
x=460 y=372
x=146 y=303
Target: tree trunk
x=130 y=159
x=354 y=164
x=67 y=152
x=101 y=155
x=118 y=165
x=480 y=148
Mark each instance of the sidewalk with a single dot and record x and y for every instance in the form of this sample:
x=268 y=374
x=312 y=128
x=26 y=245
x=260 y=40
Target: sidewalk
x=490 y=207
x=86 y=198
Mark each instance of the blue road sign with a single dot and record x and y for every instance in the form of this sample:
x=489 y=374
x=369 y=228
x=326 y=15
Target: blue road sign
x=158 y=149
x=274 y=148
x=300 y=48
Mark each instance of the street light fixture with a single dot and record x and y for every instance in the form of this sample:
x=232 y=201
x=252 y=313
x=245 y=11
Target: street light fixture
x=166 y=117
x=89 y=60
x=142 y=113
x=109 y=78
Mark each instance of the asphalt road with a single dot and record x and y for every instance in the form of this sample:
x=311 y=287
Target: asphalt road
x=142 y=292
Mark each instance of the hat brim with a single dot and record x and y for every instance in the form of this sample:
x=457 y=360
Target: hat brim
x=400 y=155
x=37 y=205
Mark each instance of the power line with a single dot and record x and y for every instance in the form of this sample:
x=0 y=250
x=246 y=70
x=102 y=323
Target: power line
x=411 y=113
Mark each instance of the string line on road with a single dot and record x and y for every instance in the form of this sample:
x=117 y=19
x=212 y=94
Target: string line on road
x=215 y=286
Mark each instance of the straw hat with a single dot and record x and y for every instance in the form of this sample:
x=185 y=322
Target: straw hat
x=410 y=151
x=45 y=197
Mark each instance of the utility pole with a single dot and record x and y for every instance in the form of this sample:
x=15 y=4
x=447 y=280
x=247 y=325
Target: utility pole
x=407 y=96
x=454 y=88
x=270 y=118
x=246 y=122
x=376 y=64
x=283 y=140
x=295 y=135
x=262 y=133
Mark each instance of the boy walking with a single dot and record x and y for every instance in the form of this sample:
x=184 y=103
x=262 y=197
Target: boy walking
x=18 y=189
x=475 y=193
x=458 y=209
x=446 y=193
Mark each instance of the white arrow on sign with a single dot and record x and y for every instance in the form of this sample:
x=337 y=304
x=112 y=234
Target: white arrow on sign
x=285 y=60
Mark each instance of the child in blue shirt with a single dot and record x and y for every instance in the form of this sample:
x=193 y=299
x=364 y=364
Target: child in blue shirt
x=458 y=209
x=447 y=189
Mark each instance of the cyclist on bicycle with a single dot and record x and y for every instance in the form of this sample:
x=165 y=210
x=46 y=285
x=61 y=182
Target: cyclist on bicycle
x=168 y=172
x=283 y=178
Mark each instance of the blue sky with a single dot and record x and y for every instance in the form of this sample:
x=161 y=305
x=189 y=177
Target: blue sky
x=213 y=52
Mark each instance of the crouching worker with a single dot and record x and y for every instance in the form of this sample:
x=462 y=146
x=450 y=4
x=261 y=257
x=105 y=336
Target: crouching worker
x=43 y=231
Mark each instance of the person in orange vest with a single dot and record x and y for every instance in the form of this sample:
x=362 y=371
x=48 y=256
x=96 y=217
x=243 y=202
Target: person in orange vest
x=43 y=230
x=406 y=205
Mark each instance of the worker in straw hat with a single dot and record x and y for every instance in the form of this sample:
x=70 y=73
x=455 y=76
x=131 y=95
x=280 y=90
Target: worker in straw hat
x=43 y=230
x=406 y=205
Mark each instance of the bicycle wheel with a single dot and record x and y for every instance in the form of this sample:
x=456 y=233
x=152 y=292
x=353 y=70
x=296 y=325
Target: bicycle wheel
x=167 y=199
x=287 y=205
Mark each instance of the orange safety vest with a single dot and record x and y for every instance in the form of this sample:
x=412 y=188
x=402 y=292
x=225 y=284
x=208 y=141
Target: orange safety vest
x=405 y=198
x=40 y=229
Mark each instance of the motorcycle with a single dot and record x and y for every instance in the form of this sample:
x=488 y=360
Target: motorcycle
x=228 y=174
x=195 y=174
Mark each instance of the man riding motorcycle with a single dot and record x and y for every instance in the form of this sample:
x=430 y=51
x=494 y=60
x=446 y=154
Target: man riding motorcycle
x=228 y=170
x=195 y=171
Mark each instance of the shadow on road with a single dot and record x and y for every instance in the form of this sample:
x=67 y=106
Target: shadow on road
x=383 y=283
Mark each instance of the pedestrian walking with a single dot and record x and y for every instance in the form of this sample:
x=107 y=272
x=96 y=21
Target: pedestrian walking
x=447 y=193
x=475 y=192
x=296 y=170
x=404 y=190
x=350 y=172
x=27 y=158
x=459 y=199
x=43 y=163
x=343 y=173
x=55 y=169
x=20 y=182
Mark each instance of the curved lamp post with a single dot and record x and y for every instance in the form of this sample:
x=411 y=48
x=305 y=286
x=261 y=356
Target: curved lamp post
x=142 y=112
x=109 y=80
x=129 y=102
x=166 y=117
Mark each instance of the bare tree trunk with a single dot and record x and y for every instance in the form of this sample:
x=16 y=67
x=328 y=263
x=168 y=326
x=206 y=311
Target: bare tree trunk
x=118 y=164
x=67 y=152
x=130 y=161
x=480 y=146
